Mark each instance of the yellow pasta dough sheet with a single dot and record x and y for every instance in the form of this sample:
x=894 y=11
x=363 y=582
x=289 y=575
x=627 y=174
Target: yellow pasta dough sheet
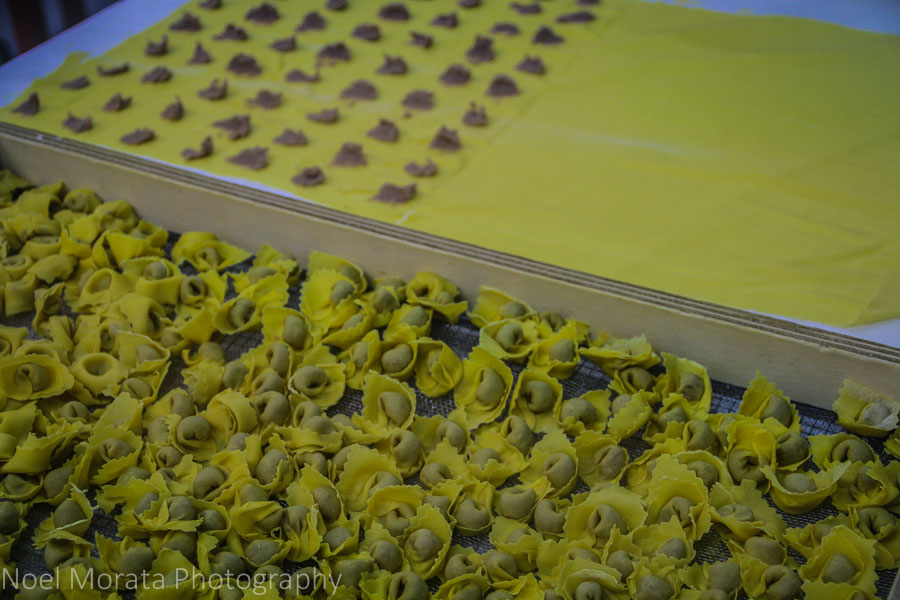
x=748 y=161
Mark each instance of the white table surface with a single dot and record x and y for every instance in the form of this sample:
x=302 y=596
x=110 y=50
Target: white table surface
x=118 y=22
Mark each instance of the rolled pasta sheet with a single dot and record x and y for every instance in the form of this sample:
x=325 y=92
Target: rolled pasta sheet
x=399 y=354
x=341 y=538
x=671 y=419
x=34 y=455
x=53 y=268
x=47 y=304
x=140 y=353
x=462 y=587
x=19 y=488
x=14 y=267
x=633 y=379
x=256 y=520
x=302 y=529
x=15 y=426
x=876 y=523
x=41 y=247
x=72 y=516
x=708 y=467
x=392 y=508
x=12 y=524
x=385 y=299
x=203 y=380
x=445 y=464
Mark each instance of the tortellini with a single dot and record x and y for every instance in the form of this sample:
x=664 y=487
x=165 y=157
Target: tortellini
x=864 y=411
x=763 y=401
x=205 y=251
x=616 y=354
x=842 y=556
x=535 y=399
x=484 y=388
x=33 y=377
x=388 y=404
x=297 y=431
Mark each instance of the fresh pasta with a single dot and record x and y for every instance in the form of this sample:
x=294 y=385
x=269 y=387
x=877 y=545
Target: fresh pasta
x=245 y=467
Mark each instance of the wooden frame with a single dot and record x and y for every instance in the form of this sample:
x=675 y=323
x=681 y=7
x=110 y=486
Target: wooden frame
x=810 y=364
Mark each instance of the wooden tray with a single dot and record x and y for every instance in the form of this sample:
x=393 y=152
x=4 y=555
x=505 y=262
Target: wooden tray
x=808 y=363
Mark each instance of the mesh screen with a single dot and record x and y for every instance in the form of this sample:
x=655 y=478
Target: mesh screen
x=461 y=338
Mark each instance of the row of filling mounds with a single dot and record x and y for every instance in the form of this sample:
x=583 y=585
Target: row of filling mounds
x=266 y=14
x=350 y=154
x=482 y=50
